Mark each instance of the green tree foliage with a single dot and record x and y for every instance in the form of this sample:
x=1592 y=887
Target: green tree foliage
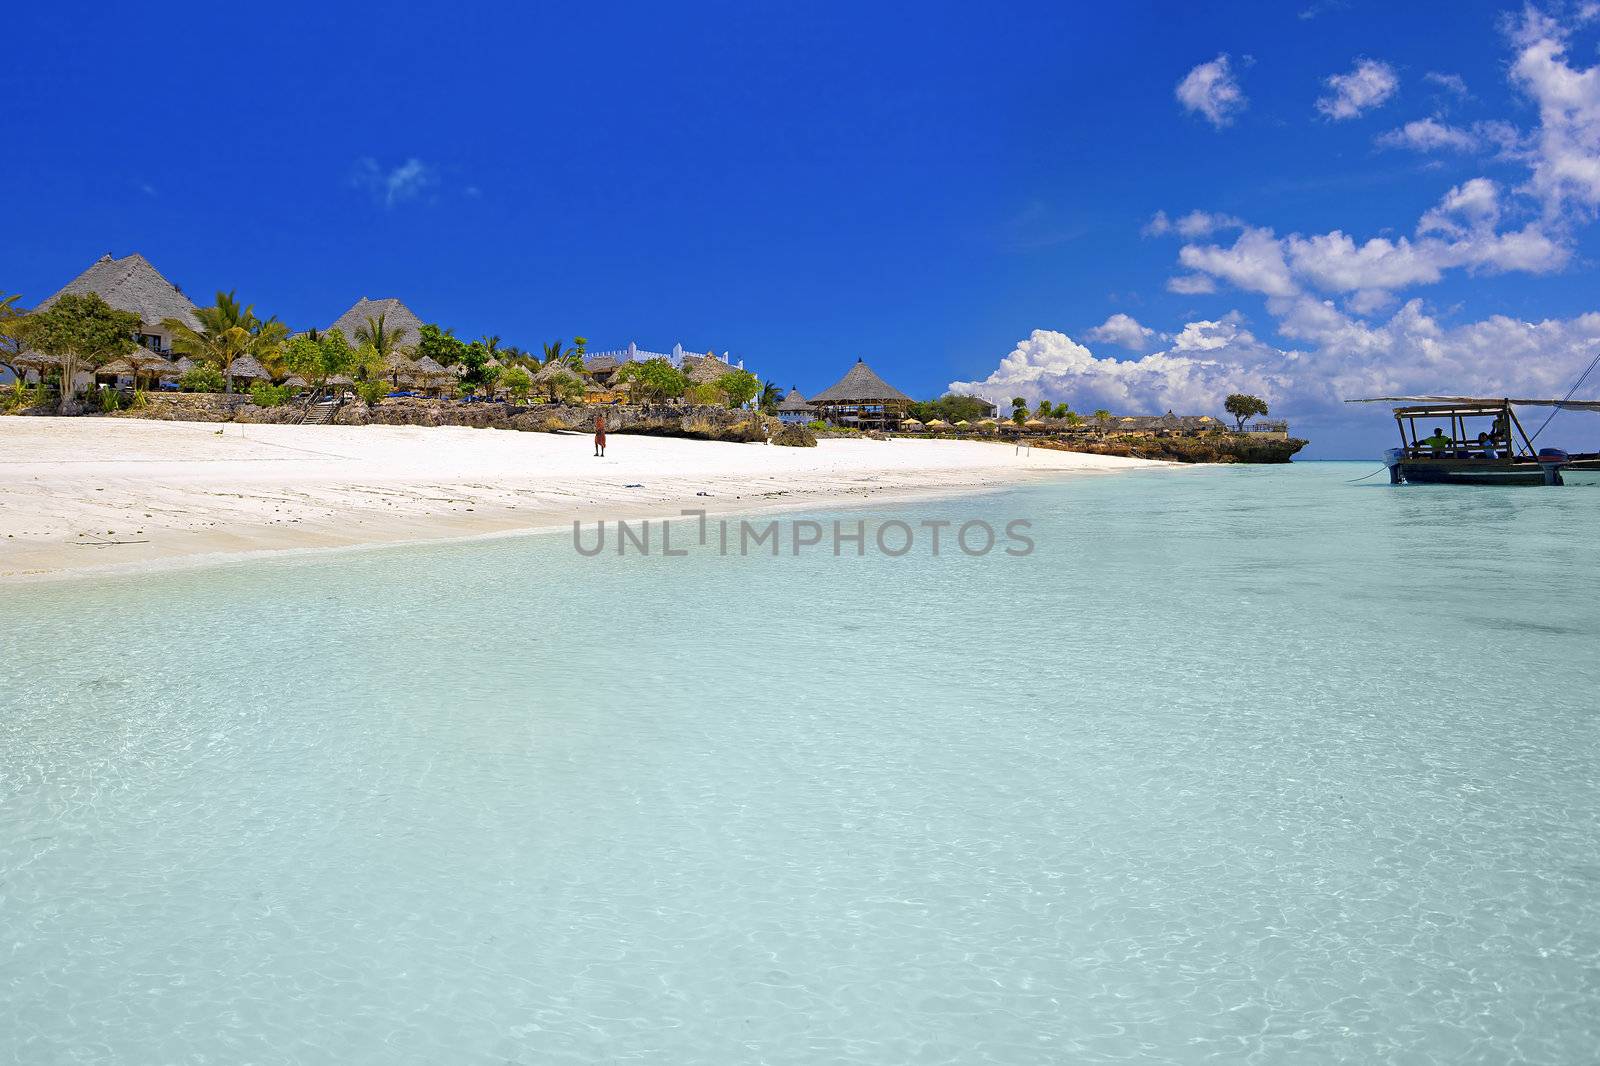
x=82 y=331
x=704 y=396
x=653 y=380
x=1102 y=419
x=516 y=382
x=371 y=374
x=554 y=352
x=1060 y=410
x=228 y=330
x=10 y=343
x=561 y=385
x=771 y=396
x=265 y=395
x=441 y=345
x=952 y=408
x=385 y=339
x=1242 y=406
x=739 y=386
x=319 y=357
x=203 y=377
x=1043 y=410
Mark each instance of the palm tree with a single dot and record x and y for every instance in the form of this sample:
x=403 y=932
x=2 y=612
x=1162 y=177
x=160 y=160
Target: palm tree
x=770 y=397
x=384 y=341
x=1102 y=418
x=10 y=343
x=227 y=331
x=573 y=357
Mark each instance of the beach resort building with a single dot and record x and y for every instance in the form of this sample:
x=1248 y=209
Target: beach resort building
x=127 y=284
x=678 y=357
x=398 y=319
x=862 y=400
x=796 y=409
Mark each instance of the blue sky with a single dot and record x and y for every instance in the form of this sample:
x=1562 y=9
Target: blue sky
x=1386 y=198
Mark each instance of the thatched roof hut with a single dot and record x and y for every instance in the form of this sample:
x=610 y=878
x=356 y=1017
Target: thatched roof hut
x=248 y=368
x=861 y=397
x=429 y=367
x=796 y=404
x=704 y=369
x=398 y=319
x=132 y=284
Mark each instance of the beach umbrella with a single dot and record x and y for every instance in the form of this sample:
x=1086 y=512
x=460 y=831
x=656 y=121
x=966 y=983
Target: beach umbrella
x=249 y=368
x=911 y=422
x=962 y=424
x=938 y=423
x=1033 y=423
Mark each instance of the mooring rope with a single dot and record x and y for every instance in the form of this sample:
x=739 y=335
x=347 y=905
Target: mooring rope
x=1576 y=385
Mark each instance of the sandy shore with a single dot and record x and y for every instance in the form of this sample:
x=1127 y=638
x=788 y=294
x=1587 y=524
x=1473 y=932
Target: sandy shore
x=89 y=495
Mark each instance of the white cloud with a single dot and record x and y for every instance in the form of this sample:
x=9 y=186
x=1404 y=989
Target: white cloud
x=1431 y=135
x=1345 y=357
x=1124 y=331
x=1254 y=263
x=1461 y=232
x=1434 y=135
x=1213 y=91
x=1566 y=146
x=1453 y=83
x=393 y=186
x=1048 y=364
x=1191 y=284
x=1194 y=224
x=1369 y=85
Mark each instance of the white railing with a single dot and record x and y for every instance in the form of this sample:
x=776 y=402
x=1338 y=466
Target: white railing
x=635 y=354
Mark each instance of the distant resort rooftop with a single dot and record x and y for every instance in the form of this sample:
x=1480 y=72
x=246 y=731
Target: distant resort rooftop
x=861 y=400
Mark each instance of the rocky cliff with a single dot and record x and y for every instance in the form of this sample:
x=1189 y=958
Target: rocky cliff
x=1211 y=448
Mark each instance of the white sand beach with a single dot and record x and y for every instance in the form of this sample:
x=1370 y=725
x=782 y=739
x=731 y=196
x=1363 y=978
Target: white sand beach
x=82 y=496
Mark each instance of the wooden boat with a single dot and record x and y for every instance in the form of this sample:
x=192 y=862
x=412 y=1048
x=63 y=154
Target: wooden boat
x=1480 y=442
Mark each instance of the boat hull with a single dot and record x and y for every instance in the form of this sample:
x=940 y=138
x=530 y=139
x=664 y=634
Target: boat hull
x=1576 y=470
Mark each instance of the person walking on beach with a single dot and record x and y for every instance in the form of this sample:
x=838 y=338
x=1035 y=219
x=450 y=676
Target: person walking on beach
x=600 y=435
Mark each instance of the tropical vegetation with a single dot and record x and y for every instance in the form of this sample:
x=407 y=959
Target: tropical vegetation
x=1242 y=406
x=81 y=332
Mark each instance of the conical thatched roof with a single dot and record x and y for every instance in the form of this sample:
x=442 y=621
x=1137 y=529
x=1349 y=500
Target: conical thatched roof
x=963 y=422
x=704 y=369
x=796 y=403
x=397 y=319
x=938 y=423
x=430 y=367
x=554 y=367
x=132 y=284
x=248 y=366
x=1033 y=422
x=860 y=385
x=911 y=422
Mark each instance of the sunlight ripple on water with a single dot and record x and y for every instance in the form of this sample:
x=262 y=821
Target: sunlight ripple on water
x=1242 y=765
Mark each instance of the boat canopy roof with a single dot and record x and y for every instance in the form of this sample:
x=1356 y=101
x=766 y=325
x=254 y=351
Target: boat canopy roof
x=1467 y=404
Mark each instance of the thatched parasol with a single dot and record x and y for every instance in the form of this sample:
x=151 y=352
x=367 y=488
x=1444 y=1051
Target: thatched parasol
x=938 y=423
x=1033 y=423
x=249 y=368
x=962 y=424
x=910 y=422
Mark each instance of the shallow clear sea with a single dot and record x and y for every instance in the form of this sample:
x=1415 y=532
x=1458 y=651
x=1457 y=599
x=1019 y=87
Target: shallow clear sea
x=1240 y=765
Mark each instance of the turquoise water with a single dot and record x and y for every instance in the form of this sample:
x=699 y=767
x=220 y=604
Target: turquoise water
x=1241 y=765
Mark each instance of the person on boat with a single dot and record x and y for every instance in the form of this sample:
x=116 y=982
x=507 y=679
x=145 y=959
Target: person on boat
x=1486 y=445
x=600 y=435
x=1438 y=442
